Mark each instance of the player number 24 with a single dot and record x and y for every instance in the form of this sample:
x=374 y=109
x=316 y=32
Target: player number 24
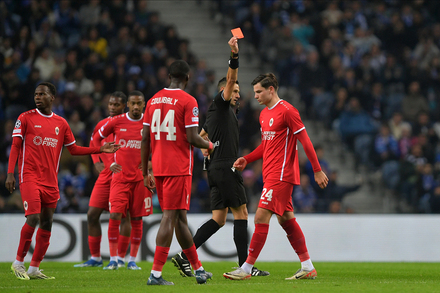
x=167 y=125
x=267 y=194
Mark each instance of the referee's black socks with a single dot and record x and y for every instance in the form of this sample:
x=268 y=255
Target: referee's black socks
x=203 y=233
x=241 y=239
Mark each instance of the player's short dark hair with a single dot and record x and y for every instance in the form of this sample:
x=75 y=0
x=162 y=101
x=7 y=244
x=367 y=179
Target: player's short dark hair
x=136 y=93
x=179 y=69
x=266 y=80
x=120 y=95
x=222 y=83
x=50 y=86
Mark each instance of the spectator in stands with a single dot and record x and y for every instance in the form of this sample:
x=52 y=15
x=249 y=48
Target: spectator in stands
x=397 y=125
x=414 y=102
x=357 y=129
x=386 y=155
x=331 y=200
x=304 y=196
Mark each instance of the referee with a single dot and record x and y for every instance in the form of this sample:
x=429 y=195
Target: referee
x=226 y=183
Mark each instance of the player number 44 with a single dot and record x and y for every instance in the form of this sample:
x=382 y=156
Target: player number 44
x=267 y=194
x=167 y=125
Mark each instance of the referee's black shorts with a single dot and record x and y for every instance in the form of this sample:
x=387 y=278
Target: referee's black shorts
x=226 y=183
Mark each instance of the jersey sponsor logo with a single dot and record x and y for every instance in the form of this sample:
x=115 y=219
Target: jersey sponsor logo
x=37 y=126
x=133 y=144
x=195 y=119
x=57 y=130
x=16 y=131
x=270 y=121
x=268 y=135
x=18 y=124
x=122 y=129
x=25 y=205
x=196 y=111
x=122 y=142
x=37 y=140
x=51 y=142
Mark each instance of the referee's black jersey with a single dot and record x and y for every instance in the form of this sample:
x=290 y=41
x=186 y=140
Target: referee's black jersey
x=222 y=128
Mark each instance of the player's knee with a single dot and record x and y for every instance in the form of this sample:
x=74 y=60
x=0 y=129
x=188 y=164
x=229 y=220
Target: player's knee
x=220 y=222
x=46 y=223
x=33 y=220
x=92 y=217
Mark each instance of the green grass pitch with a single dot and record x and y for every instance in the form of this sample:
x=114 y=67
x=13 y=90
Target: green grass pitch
x=332 y=277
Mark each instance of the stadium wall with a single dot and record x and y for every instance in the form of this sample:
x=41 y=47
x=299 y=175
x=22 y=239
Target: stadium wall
x=369 y=238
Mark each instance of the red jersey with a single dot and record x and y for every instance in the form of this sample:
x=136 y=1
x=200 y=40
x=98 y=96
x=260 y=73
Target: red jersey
x=168 y=113
x=105 y=158
x=128 y=133
x=43 y=139
x=279 y=125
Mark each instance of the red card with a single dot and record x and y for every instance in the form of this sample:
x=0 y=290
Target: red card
x=236 y=32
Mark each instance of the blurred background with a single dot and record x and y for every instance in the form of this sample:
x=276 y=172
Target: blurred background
x=363 y=74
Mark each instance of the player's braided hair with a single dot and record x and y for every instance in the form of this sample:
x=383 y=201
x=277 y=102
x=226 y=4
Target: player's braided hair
x=50 y=86
x=266 y=80
x=120 y=95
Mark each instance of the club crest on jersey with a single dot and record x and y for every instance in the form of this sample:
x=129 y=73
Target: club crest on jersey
x=196 y=111
x=25 y=205
x=18 y=124
x=37 y=140
x=57 y=130
x=270 y=121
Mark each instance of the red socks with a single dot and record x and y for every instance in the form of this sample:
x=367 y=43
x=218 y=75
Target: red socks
x=41 y=246
x=95 y=245
x=296 y=238
x=25 y=241
x=136 y=236
x=257 y=242
x=160 y=258
x=123 y=243
x=113 y=236
x=193 y=258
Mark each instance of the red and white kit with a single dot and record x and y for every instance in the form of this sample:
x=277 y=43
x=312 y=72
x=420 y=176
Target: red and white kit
x=163 y=114
x=135 y=197
x=101 y=190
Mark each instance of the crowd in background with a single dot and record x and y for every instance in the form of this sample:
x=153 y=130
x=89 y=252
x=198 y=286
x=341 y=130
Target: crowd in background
x=368 y=69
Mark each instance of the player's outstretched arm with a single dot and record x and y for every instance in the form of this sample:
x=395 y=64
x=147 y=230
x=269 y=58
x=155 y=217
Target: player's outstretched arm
x=110 y=147
x=240 y=164
x=196 y=140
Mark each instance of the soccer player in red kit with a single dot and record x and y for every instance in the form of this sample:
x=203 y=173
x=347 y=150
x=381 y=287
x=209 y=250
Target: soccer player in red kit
x=101 y=191
x=38 y=139
x=281 y=128
x=171 y=123
x=127 y=191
